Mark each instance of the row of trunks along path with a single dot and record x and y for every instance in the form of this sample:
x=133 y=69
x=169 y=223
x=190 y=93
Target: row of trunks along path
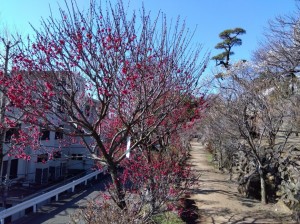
x=218 y=200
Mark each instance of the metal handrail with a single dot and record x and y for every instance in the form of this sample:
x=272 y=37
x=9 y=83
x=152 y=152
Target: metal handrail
x=34 y=201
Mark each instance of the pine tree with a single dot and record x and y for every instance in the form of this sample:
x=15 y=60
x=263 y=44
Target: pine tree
x=230 y=39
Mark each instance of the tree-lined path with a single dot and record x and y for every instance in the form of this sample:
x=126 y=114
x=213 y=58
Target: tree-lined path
x=219 y=201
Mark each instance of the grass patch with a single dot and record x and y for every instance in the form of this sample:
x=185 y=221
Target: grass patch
x=167 y=218
x=209 y=157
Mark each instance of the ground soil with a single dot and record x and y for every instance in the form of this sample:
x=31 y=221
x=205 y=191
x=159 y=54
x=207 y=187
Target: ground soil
x=218 y=200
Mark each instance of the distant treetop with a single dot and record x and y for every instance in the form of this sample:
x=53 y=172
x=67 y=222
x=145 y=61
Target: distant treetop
x=230 y=39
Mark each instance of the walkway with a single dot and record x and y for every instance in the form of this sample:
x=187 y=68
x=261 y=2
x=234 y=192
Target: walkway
x=219 y=202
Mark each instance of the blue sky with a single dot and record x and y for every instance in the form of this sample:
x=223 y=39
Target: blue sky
x=210 y=16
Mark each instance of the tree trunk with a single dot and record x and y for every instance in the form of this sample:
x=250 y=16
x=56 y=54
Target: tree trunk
x=230 y=171
x=2 y=132
x=7 y=178
x=220 y=163
x=118 y=188
x=151 y=196
x=262 y=187
x=272 y=137
x=1 y=163
x=3 y=101
x=149 y=187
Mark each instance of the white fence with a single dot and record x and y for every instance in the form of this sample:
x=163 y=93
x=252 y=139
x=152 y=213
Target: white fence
x=34 y=201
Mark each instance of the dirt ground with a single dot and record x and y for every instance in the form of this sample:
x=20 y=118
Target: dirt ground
x=219 y=202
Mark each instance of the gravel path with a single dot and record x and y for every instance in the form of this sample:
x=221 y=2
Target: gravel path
x=219 y=202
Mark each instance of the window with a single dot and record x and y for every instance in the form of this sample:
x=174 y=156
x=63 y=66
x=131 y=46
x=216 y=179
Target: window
x=13 y=169
x=45 y=134
x=55 y=172
x=57 y=155
x=12 y=132
x=77 y=157
x=42 y=158
x=59 y=132
x=79 y=131
x=87 y=110
x=41 y=176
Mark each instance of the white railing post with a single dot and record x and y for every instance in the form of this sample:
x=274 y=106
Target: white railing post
x=56 y=197
x=34 y=208
x=2 y=221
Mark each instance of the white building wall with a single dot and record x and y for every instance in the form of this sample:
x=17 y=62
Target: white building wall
x=27 y=169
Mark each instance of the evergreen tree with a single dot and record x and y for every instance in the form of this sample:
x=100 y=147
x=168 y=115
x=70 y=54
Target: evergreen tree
x=230 y=39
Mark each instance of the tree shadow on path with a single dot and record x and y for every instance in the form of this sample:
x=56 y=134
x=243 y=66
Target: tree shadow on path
x=218 y=200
